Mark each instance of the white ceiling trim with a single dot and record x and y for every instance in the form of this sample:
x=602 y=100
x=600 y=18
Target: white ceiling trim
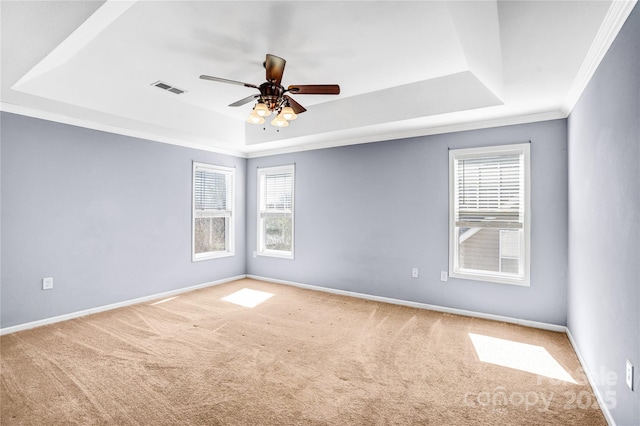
x=497 y=63
x=404 y=134
x=77 y=40
x=95 y=125
x=614 y=20
x=340 y=139
x=459 y=92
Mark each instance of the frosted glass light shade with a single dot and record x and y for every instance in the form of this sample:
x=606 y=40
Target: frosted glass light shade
x=288 y=113
x=262 y=110
x=280 y=121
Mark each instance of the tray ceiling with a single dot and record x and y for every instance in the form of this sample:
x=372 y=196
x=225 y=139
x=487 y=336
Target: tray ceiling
x=405 y=68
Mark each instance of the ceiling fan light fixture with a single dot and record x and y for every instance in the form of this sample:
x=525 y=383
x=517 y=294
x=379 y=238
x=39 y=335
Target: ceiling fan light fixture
x=272 y=97
x=262 y=110
x=280 y=121
x=288 y=113
x=255 y=119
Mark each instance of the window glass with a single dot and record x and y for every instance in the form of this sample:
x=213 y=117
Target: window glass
x=275 y=211
x=212 y=211
x=489 y=215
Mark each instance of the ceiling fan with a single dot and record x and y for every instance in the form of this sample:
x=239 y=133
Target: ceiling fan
x=273 y=98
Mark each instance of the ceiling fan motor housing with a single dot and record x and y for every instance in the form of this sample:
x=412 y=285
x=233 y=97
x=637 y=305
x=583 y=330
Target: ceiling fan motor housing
x=271 y=94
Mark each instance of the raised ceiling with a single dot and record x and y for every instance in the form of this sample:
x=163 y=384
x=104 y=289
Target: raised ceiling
x=405 y=68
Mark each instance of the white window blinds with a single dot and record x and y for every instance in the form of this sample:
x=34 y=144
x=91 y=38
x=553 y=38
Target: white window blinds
x=213 y=224
x=212 y=192
x=489 y=191
x=489 y=231
x=278 y=192
x=275 y=211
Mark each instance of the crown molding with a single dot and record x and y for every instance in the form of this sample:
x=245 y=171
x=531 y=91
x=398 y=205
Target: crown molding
x=330 y=141
x=336 y=141
x=89 y=124
x=614 y=20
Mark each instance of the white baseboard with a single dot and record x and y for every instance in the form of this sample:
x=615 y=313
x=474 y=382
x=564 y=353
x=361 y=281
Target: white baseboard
x=523 y=322
x=52 y=320
x=103 y=308
x=603 y=406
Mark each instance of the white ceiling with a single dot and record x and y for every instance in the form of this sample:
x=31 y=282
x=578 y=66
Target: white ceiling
x=404 y=68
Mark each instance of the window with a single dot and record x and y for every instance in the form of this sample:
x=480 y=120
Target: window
x=489 y=214
x=213 y=202
x=275 y=211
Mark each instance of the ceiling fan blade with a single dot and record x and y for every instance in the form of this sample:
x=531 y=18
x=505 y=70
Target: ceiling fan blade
x=275 y=68
x=244 y=100
x=315 y=89
x=297 y=108
x=224 y=80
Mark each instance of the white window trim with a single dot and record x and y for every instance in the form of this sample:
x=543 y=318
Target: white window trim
x=261 y=251
x=477 y=275
x=230 y=251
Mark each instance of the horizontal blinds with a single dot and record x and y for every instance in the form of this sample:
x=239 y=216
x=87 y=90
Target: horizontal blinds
x=274 y=214
x=278 y=192
x=212 y=193
x=490 y=191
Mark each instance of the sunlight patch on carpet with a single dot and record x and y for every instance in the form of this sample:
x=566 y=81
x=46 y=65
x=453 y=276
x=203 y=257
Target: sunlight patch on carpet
x=247 y=297
x=520 y=356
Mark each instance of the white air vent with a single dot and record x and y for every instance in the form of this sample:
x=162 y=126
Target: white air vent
x=169 y=88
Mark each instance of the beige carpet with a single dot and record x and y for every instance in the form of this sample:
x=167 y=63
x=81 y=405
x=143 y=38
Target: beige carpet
x=299 y=358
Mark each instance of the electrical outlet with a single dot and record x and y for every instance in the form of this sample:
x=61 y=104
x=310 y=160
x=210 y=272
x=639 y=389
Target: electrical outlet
x=629 y=375
x=47 y=283
x=444 y=276
x=414 y=272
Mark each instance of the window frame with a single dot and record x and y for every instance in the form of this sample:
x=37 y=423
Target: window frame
x=488 y=276
x=260 y=231
x=230 y=222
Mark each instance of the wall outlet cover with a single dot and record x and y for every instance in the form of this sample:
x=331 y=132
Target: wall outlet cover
x=47 y=283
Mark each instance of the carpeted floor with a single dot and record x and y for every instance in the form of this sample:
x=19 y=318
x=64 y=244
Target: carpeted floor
x=298 y=358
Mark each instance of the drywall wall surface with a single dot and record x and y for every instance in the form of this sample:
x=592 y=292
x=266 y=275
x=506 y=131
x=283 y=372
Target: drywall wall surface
x=0 y=219
x=604 y=223
x=365 y=215
x=107 y=216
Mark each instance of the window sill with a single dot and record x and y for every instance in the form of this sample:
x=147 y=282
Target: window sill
x=495 y=279
x=277 y=254
x=209 y=256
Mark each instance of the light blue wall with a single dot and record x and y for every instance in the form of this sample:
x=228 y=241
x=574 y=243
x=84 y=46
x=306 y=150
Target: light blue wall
x=107 y=216
x=366 y=214
x=604 y=220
